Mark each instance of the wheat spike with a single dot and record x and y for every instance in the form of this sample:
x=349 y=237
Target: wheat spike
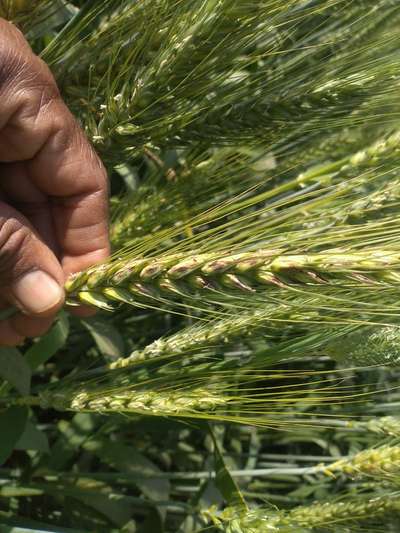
x=364 y=346
x=248 y=272
x=213 y=333
x=155 y=403
x=308 y=516
x=381 y=462
x=367 y=347
x=386 y=425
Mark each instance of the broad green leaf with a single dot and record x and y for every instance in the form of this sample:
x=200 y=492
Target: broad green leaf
x=19 y=491
x=129 y=461
x=303 y=492
x=13 y=529
x=153 y=523
x=59 y=13
x=208 y=495
x=12 y=426
x=49 y=344
x=72 y=435
x=18 y=524
x=33 y=439
x=117 y=511
x=106 y=336
x=130 y=176
x=15 y=369
x=224 y=481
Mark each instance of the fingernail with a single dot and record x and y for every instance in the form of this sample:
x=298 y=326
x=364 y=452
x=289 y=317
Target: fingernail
x=37 y=292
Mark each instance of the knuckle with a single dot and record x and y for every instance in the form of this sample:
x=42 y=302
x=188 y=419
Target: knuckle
x=13 y=49
x=42 y=94
x=10 y=65
x=46 y=74
x=37 y=84
x=30 y=326
x=21 y=69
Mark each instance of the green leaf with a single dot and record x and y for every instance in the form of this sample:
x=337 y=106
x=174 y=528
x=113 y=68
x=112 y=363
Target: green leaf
x=224 y=481
x=17 y=524
x=153 y=523
x=117 y=511
x=108 y=339
x=73 y=434
x=12 y=426
x=15 y=369
x=129 y=461
x=49 y=344
x=130 y=176
x=33 y=439
x=60 y=12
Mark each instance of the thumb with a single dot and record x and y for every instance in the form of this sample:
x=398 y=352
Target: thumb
x=30 y=275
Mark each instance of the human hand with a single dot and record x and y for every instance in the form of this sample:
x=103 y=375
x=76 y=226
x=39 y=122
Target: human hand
x=53 y=192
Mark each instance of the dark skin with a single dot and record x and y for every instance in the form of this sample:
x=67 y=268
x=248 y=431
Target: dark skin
x=53 y=193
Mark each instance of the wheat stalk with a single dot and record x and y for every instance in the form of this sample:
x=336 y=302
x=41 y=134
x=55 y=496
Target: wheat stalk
x=253 y=397
x=148 y=80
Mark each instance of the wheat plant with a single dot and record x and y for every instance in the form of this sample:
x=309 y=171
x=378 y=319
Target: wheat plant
x=242 y=373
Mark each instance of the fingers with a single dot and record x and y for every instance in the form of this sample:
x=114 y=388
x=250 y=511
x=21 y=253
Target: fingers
x=29 y=326
x=17 y=189
x=31 y=277
x=30 y=274
x=77 y=184
x=36 y=127
x=46 y=149
x=14 y=330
